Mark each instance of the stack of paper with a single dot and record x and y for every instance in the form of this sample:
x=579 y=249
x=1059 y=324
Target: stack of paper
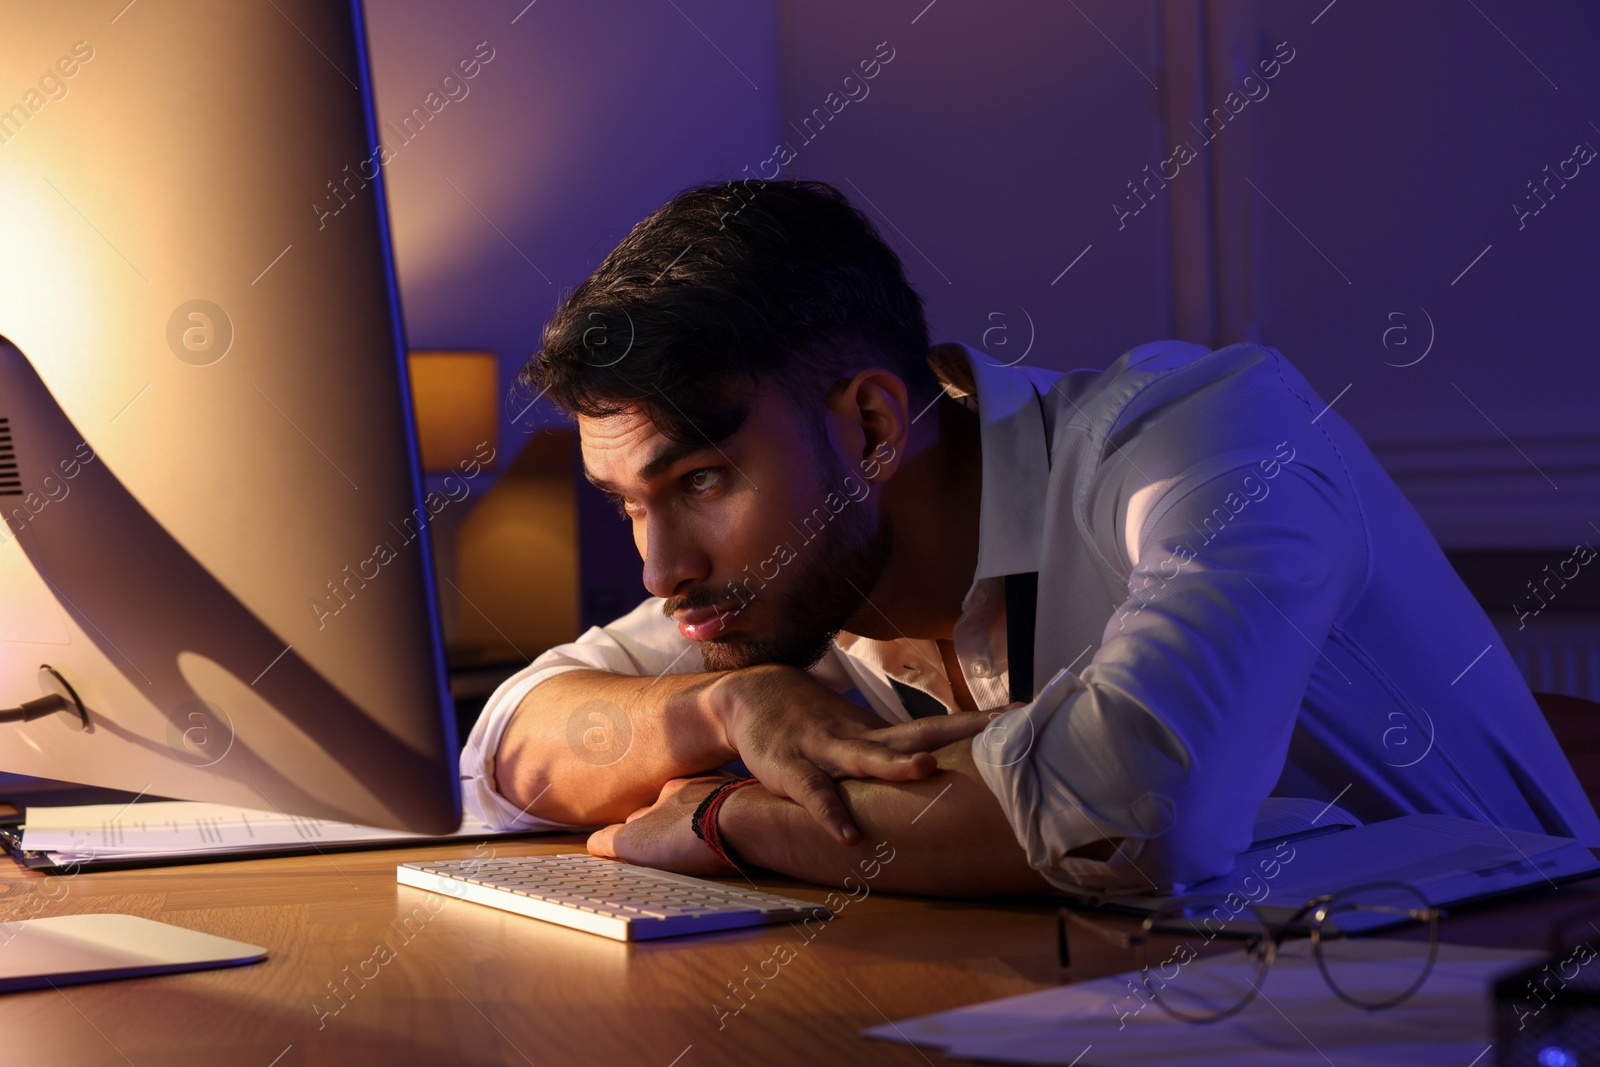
x=169 y=829
x=1295 y=1021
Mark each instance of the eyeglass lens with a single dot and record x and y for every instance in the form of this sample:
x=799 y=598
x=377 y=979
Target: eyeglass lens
x=1204 y=959
x=1376 y=972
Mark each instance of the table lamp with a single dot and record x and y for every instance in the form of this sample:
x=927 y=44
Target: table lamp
x=456 y=395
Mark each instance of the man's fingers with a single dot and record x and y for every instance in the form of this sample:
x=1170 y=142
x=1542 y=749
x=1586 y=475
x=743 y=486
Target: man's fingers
x=603 y=842
x=934 y=731
x=864 y=758
x=904 y=751
x=817 y=794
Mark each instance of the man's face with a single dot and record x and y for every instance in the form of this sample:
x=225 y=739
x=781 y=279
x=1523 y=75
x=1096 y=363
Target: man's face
x=763 y=544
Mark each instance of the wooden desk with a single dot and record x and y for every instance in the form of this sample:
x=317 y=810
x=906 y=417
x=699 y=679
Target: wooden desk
x=459 y=983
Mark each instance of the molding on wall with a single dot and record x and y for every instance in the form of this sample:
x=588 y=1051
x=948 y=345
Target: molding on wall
x=1183 y=101
x=1234 y=37
x=1482 y=492
x=1475 y=492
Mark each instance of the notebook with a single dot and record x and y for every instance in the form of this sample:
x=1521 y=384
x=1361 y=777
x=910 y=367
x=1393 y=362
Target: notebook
x=1450 y=860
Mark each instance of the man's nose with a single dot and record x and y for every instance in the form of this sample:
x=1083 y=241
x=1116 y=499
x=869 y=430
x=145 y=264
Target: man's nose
x=672 y=557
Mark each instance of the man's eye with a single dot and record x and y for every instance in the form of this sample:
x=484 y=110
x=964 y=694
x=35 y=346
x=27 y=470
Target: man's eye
x=703 y=479
x=626 y=505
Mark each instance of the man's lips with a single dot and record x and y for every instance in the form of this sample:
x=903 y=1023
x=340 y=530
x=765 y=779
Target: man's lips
x=702 y=624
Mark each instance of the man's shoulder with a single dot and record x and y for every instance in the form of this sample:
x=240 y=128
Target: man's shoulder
x=1155 y=362
x=1156 y=376
x=1170 y=414
x=1161 y=355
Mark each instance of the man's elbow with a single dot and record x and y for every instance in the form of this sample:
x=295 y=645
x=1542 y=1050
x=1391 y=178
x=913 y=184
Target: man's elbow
x=1189 y=854
x=534 y=793
x=1183 y=855
x=525 y=781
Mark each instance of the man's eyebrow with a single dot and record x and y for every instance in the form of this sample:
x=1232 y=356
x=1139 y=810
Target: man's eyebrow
x=599 y=483
x=670 y=455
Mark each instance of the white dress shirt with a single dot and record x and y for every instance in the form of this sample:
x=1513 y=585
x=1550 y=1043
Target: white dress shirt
x=1235 y=602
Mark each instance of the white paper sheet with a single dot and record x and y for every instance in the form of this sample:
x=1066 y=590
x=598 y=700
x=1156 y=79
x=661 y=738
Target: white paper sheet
x=1296 y=1021
x=176 y=827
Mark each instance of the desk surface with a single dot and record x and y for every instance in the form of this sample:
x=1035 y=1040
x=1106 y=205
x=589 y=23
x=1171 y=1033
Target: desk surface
x=458 y=983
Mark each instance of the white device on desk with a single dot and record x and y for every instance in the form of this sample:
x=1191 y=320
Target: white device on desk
x=70 y=949
x=606 y=897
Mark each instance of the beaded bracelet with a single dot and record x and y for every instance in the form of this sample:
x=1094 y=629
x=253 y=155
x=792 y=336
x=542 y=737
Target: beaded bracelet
x=704 y=819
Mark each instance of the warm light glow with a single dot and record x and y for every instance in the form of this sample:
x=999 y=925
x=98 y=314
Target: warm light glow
x=518 y=554
x=455 y=394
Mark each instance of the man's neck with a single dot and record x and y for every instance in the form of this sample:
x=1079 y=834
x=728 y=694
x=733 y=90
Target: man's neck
x=933 y=506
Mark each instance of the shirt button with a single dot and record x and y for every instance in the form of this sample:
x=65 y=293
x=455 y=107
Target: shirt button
x=981 y=668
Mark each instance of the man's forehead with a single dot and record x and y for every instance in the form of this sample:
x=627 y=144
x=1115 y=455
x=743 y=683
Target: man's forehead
x=617 y=445
x=629 y=445
x=627 y=429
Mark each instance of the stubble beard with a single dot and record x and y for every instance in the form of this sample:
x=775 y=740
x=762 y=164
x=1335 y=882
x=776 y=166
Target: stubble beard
x=831 y=576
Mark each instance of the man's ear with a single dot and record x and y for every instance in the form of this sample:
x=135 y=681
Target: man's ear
x=872 y=417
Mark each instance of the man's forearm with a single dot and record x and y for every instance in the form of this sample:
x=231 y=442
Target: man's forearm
x=946 y=835
x=589 y=747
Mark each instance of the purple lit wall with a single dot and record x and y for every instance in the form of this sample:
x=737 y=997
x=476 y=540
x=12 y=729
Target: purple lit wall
x=587 y=117
x=1355 y=209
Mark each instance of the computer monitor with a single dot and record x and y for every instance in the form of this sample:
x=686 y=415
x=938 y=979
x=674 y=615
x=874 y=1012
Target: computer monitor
x=215 y=532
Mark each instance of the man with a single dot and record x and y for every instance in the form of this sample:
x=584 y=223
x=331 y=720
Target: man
x=1136 y=602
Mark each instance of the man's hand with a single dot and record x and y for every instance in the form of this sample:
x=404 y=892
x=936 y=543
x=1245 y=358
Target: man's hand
x=945 y=835
x=793 y=733
x=796 y=735
x=661 y=835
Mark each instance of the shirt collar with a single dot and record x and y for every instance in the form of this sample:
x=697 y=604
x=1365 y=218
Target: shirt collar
x=1016 y=465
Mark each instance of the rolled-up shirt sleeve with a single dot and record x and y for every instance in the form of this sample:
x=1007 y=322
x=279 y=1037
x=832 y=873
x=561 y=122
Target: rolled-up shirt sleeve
x=1164 y=746
x=642 y=642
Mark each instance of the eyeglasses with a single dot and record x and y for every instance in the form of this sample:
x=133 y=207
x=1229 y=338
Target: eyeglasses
x=1189 y=963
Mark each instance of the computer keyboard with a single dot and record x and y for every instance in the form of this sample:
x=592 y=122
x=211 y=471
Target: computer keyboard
x=606 y=897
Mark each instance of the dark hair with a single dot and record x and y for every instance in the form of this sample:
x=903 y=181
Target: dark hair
x=726 y=287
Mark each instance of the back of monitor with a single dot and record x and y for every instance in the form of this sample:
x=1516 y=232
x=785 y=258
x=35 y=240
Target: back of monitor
x=213 y=529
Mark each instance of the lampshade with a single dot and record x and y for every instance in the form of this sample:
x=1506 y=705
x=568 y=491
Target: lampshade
x=455 y=394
